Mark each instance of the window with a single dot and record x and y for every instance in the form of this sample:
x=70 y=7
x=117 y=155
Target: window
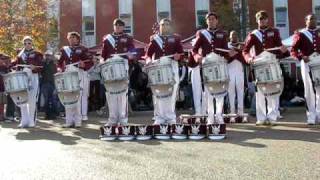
x=317 y=13
x=125 y=14
x=89 y=22
x=163 y=9
x=202 y=8
x=281 y=16
x=201 y=18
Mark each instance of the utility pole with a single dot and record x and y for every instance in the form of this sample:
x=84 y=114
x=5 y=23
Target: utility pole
x=243 y=19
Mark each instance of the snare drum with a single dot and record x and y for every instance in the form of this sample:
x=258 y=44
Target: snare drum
x=268 y=74
x=16 y=84
x=160 y=73
x=68 y=87
x=215 y=74
x=115 y=69
x=314 y=65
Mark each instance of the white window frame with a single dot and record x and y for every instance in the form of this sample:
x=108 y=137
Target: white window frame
x=89 y=13
x=125 y=9
x=281 y=4
x=316 y=4
x=201 y=5
x=163 y=6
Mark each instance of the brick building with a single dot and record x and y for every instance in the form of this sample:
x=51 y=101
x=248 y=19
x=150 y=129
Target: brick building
x=93 y=18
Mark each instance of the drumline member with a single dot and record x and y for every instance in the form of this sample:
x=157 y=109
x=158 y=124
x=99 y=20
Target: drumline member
x=305 y=43
x=4 y=66
x=207 y=40
x=163 y=44
x=117 y=94
x=29 y=56
x=263 y=38
x=74 y=53
x=236 y=75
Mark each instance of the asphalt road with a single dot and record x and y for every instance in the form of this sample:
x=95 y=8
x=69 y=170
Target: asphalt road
x=290 y=150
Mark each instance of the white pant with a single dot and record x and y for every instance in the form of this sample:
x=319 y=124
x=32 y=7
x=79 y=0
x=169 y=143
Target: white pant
x=312 y=98
x=236 y=86
x=73 y=116
x=117 y=99
x=199 y=100
x=84 y=93
x=214 y=117
x=165 y=106
x=270 y=112
x=29 y=110
x=73 y=113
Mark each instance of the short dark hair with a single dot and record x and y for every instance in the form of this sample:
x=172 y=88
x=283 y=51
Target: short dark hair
x=118 y=22
x=261 y=15
x=212 y=14
x=73 y=33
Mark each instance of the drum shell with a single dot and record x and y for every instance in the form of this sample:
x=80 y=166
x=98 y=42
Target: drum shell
x=67 y=82
x=115 y=69
x=215 y=74
x=160 y=74
x=268 y=75
x=16 y=82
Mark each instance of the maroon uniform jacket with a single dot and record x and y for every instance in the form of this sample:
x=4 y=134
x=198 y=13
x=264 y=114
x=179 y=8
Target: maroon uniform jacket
x=237 y=47
x=73 y=54
x=207 y=41
x=161 y=45
x=116 y=44
x=30 y=57
x=261 y=40
x=4 y=68
x=305 y=43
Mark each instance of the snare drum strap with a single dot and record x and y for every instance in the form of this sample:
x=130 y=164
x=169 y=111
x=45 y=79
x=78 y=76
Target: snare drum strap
x=67 y=50
x=22 y=55
x=111 y=40
x=207 y=35
x=258 y=34
x=158 y=40
x=307 y=34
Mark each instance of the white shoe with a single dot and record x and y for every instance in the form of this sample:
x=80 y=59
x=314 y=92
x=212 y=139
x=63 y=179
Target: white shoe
x=67 y=126
x=272 y=123
x=311 y=123
x=260 y=122
x=85 y=118
x=232 y=120
x=77 y=125
x=280 y=117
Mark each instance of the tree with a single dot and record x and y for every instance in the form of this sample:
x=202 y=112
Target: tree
x=19 y=18
x=227 y=18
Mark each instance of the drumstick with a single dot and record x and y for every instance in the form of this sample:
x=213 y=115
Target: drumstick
x=25 y=65
x=275 y=48
x=222 y=50
x=76 y=63
x=123 y=54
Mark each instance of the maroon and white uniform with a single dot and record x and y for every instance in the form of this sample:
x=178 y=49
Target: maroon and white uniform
x=206 y=41
x=74 y=54
x=305 y=43
x=163 y=45
x=117 y=93
x=236 y=75
x=256 y=42
x=29 y=110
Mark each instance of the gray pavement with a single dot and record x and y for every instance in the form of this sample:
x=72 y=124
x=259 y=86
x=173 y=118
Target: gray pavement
x=290 y=150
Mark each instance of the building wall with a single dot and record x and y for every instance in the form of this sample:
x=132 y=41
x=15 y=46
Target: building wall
x=70 y=18
x=182 y=14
